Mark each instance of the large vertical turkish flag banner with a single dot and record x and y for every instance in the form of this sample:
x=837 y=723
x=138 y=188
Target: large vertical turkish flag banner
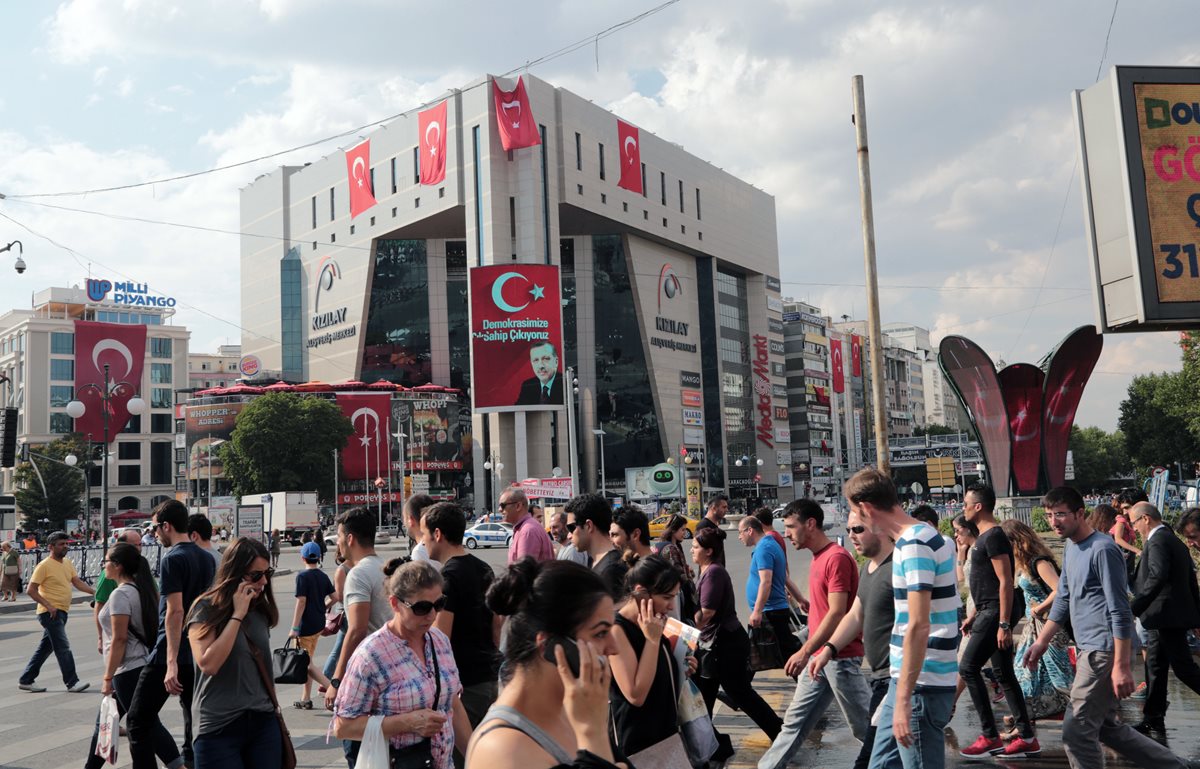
x=1021 y=386
x=855 y=355
x=431 y=126
x=514 y=119
x=973 y=376
x=358 y=176
x=120 y=347
x=835 y=362
x=516 y=338
x=630 y=146
x=367 y=452
x=1070 y=367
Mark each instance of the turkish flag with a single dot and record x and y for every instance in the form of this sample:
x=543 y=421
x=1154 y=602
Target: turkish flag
x=358 y=176
x=431 y=125
x=856 y=355
x=631 y=157
x=122 y=348
x=835 y=356
x=367 y=453
x=514 y=119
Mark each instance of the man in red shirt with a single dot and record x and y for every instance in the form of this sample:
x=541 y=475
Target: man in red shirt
x=529 y=538
x=832 y=585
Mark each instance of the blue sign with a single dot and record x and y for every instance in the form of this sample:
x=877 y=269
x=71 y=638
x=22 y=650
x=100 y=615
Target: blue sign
x=125 y=293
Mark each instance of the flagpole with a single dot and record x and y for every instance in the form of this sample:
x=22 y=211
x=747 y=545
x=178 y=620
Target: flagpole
x=388 y=438
x=335 y=485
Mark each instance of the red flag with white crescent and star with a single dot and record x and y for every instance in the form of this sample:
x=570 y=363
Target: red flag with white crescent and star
x=366 y=454
x=121 y=347
x=835 y=355
x=514 y=118
x=630 y=144
x=358 y=176
x=431 y=126
x=855 y=355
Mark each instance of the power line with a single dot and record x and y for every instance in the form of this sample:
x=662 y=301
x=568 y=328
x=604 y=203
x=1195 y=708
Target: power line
x=590 y=39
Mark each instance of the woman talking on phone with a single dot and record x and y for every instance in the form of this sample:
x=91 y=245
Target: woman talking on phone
x=553 y=710
x=229 y=630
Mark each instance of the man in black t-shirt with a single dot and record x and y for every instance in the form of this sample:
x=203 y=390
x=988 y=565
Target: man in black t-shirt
x=593 y=518
x=473 y=630
x=992 y=586
x=714 y=516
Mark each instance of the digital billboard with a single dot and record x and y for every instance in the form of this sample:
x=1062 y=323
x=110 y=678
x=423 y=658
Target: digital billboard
x=516 y=338
x=207 y=427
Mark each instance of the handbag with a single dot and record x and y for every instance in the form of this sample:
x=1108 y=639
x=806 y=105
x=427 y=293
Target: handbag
x=764 y=648
x=108 y=728
x=695 y=725
x=291 y=663
x=287 y=758
x=666 y=754
x=333 y=622
x=420 y=756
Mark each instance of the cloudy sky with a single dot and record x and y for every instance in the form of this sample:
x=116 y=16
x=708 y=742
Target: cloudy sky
x=977 y=197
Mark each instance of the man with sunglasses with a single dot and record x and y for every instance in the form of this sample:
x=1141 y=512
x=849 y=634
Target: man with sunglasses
x=529 y=538
x=185 y=572
x=593 y=519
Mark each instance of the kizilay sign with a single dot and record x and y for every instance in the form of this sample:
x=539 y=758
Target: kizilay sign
x=328 y=326
x=762 y=390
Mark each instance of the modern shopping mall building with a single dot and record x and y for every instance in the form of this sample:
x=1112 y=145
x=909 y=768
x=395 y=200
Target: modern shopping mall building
x=672 y=313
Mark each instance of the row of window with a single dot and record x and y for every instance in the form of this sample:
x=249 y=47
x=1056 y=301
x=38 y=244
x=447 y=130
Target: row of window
x=63 y=343
x=63 y=370
x=160 y=424
x=131 y=318
x=662 y=178
x=416 y=179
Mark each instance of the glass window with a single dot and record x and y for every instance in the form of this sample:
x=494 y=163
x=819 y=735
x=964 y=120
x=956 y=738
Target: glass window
x=160 y=463
x=62 y=343
x=129 y=450
x=62 y=370
x=160 y=398
x=456 y=315
x=160 y=373
x=129 y=475
x=578 y=152
x=61 y=395
x=61 y=424
x=160 y=347
x=331 y=200
x=314 y=212
x=397 y=346
x=162 y=423
x=393 y=176
x=601 y=162
x=134 y=425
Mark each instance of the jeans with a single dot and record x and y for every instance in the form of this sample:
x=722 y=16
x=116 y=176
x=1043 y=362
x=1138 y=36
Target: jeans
x=879 y=688
x=124 y=685
x=54 y=639
x=930 y=713
x=731 y=657
x=332 y=660
x=142 y=720
x=841 y=680
x=253 y=741
x=981 y=646
x=1167 y=649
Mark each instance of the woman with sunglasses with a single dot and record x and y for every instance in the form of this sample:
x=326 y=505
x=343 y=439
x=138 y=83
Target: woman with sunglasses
x=128 y=627
x=229 y=631
x=553 y=710
x=405 y=672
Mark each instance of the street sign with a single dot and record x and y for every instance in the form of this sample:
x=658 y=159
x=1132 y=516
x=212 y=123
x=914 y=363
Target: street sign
x=941 y=472
x=916 y=487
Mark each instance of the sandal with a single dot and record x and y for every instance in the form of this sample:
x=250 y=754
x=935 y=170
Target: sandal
x=302 y=705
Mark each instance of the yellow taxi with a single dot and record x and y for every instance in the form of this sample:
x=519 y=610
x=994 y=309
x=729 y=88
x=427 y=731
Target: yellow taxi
x=659 y=525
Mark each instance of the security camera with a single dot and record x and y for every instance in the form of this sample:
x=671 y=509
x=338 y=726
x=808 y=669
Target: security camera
x=20 y=265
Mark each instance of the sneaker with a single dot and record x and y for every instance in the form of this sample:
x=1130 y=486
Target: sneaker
x=31 y=688
x=983 y=747
x=1022 y=748
x=78 y=687
x=1140 y=692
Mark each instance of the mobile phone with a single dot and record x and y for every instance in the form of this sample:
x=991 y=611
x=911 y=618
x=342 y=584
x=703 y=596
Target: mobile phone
x=570 y=646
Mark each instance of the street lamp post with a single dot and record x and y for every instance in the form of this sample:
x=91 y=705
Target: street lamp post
x=76 y=409
x=603 y=474
x=745 y=460
x=494 y=465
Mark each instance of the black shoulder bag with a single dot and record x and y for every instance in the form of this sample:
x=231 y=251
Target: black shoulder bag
x=420 y=756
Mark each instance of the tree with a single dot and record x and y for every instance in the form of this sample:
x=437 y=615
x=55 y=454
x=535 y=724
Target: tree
x=1099 y=456
x=1154 y=418
x=63 y=485
x=933 y=428
x=285 y=442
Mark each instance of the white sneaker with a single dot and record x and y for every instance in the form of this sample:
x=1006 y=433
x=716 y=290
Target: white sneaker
x=31 y=688
x=79 y=686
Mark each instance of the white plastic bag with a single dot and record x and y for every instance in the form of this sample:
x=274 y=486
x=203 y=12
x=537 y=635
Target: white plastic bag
x=373 y=754
x=110 y=724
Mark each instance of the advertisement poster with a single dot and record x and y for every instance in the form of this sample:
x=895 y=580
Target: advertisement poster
x=693 y=497
x=516 y=338
x=207 y=427
x=250 y=522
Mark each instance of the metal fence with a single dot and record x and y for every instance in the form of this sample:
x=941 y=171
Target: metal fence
x=86 y=560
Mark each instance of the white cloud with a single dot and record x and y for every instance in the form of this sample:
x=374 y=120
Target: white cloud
x=99 y=75
x=125 y=87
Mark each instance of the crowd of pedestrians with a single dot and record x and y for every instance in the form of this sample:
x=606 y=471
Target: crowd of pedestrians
x=599 y=646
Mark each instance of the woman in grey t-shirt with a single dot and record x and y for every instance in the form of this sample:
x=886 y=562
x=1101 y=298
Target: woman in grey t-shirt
x=128 y=625
x=233 y=712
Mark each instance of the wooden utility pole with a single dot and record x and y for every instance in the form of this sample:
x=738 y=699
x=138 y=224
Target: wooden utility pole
x=882 y=457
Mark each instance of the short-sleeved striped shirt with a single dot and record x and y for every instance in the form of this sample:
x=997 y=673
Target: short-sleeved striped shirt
x=924 y=561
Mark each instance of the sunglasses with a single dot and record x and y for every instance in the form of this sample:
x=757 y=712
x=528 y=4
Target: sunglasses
x=504 y=505
x=255 y=576
x=571 y=527
x=856 y=529
x=422 y=608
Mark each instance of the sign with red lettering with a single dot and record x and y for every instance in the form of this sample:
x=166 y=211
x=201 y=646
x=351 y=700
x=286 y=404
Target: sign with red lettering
x=762 y=391
x=691 y=398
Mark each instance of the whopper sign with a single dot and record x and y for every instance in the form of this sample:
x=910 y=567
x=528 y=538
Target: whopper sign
x=516 y=338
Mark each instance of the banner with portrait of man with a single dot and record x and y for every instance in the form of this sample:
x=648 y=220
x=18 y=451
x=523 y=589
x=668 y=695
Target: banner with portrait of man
x=516 y=338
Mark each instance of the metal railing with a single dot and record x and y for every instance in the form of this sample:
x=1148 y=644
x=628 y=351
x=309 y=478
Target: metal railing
x=87 y=561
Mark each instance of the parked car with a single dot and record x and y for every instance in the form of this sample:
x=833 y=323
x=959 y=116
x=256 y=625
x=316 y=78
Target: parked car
x=659 y=525
x=487 y=535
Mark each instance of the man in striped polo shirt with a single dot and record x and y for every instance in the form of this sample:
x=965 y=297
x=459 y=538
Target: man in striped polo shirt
x=924 y=660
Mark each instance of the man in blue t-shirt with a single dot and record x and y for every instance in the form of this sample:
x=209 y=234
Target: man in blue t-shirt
x=767 y=586
x=185 y=571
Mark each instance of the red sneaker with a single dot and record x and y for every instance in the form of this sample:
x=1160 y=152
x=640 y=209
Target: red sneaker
x=983 y=747
x=1022 y=748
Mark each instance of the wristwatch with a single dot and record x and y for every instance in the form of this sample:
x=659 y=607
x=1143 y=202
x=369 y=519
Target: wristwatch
x=335 y=682
x=1005 y=626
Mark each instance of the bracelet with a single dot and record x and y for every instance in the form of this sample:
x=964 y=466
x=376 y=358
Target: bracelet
x=232 y=619
x=832 y=649
x=295 y=629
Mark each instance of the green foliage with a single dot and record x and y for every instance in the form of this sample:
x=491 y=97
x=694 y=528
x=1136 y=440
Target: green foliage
x=1041 y=524
x=946 y=527
x=285 y=442
x=64 y=485
x=934 y=429
x=1099 y=456
x=1161 y=419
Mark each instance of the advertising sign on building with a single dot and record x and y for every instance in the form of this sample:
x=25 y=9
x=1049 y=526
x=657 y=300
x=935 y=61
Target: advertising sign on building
x=691 y=398
x=783 y=435
x=693 y=417
x=689 y=379
x=693 y=497
x=693 y=436
x=774 y=304
x=249 y=366
x=207 y=427
x=548 y=488
x=516 y=338
x=250 y=522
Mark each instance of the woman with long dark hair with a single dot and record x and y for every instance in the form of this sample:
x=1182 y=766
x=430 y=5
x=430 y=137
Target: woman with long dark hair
x=553 y=710
x=128 y=627
x=669 y=547
x=726 y=647
x=229 y=629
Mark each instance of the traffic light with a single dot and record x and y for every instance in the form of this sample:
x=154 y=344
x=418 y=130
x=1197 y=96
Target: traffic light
x=8 y=438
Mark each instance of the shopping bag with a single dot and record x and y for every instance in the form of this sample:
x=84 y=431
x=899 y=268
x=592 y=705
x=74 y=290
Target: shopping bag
x=373 y=754
x=764 y=648
x=695 y=725
x=291 y=664
x=110 y=725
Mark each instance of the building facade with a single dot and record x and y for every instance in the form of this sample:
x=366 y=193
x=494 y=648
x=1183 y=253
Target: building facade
x=37 y=360
x=671 y=307
x=207 y=370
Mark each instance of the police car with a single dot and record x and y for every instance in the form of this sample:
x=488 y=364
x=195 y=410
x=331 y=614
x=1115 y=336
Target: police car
x=487 y=535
